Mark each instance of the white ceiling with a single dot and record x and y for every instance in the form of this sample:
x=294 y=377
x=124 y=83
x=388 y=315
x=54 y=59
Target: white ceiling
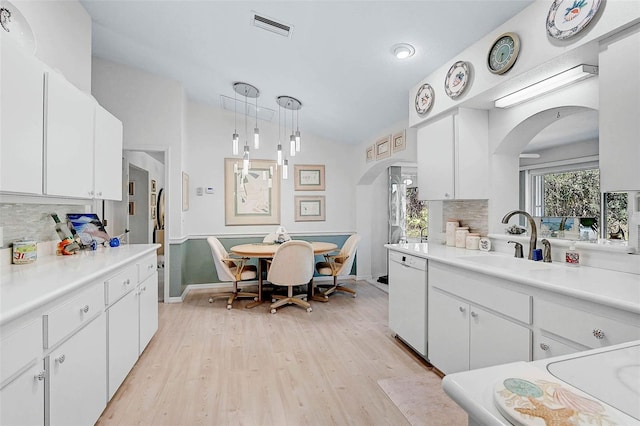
x=337 y=62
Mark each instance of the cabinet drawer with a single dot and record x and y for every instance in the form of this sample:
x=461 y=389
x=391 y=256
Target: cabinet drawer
x=545 y=347
x=20 y=349
x=586 y=328
x=121 y=284
x=481 y=290
x=61 y=321
x=147 y=267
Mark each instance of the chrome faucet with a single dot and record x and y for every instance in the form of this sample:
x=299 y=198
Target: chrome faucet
x=423 y=238
x=532 y=224
x=546 y=255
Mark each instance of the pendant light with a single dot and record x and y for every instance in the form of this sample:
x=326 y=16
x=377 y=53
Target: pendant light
x=256 y=131
x=292 y=139
x=234 y=148
x=285 y=169
x=292 y=104
x=298 y=129
x=248 y=91
x=279 y=159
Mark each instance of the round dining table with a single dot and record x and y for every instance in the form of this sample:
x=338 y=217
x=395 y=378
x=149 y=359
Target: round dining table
x=263 y=251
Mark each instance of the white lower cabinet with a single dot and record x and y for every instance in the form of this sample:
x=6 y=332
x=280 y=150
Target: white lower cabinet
x=545 y=346
x=22 y=400
x=463 y=336
x=78 y=376
x=123 y=339
x=148 y=300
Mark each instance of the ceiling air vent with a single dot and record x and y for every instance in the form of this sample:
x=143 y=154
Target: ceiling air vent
x=270 y=24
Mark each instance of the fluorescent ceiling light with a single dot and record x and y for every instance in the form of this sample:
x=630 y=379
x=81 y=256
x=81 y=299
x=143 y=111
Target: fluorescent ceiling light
x=545 y=86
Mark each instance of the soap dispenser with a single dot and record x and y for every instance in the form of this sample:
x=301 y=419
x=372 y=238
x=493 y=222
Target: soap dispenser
x=572 y=256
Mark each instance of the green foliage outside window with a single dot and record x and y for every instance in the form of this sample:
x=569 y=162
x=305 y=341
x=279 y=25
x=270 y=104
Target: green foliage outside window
x=417 y=214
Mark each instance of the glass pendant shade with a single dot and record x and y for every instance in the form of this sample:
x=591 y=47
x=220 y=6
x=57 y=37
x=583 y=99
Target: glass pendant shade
x=256 y=138
x=285 y=170
x=298 y=140
x=279 y=155
x=245 y=161
x=235 y=142
x=292 y=145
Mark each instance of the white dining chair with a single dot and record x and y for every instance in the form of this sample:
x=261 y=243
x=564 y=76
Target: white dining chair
x=292 y=265
x=231 y=269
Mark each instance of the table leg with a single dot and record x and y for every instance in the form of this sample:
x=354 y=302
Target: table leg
x=311 y=293
x=259 y=301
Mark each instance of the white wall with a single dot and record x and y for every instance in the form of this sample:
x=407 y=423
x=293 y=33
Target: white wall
x=151 y=110
x=62 y=30
x=208 y=143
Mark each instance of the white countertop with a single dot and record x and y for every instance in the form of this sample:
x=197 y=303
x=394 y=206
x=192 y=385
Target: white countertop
x=474 y=390
x=619 y=290
x=24 y=288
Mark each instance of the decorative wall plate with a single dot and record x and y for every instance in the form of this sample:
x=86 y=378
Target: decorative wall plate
x=457 y=79
x=503 y=53
x=567 y=18
x=14 y=25
x=424 y=99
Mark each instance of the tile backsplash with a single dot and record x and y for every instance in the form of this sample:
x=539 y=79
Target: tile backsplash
x=472 y=213
x=32 y=221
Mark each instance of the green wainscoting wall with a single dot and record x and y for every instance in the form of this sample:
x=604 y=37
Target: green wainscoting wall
x=191 y=261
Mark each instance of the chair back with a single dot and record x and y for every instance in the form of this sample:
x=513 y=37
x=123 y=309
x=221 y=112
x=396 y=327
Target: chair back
x=219 y=253
x=349 y=248
x=292 y=264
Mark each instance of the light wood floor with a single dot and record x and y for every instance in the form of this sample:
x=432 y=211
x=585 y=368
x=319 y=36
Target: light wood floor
x=210 y=366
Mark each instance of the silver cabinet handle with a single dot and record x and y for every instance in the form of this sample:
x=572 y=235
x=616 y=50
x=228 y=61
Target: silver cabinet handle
x=84 y=309
x=461 y=309
x=150 y=266
x=126 y=282
x=100 y=194
x=474 y=314
x=60 y=359
x=598 y=334
x=144 y=288
x=446 y=195
x=40 y=376
x=544 y=346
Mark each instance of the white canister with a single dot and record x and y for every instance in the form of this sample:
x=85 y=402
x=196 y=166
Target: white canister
x=25 y=251
x=452 y=225
x=461 y=236
x=473 y=241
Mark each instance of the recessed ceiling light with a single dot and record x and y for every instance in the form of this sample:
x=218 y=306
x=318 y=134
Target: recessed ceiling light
x=403 y=50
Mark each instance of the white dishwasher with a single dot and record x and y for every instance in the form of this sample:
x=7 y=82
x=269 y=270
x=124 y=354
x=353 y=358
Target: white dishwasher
x=408 y=299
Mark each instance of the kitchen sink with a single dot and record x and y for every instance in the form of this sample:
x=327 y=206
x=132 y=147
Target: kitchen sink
x=508 y=262
x=611 y=376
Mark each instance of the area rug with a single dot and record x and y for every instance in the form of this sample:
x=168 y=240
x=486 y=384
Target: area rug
x=422 y=401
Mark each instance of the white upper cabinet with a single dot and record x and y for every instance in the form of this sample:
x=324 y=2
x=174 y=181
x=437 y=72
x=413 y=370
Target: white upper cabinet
x=69 y=134
x=453 y=161
x=619 y=67
x=108 y=156
x=22 y=82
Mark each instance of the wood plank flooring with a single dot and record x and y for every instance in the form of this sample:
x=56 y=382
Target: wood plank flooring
x=210 y=366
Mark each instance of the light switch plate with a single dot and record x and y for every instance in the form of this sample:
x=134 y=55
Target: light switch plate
x=199 y=190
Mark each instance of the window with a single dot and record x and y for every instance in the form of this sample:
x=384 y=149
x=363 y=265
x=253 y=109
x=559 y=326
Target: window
x=417 y=215
x=574 y=191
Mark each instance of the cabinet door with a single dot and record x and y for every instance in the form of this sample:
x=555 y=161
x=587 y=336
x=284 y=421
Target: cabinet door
x=148 y=298
x=108 y=156
x=123 y=339
x=448 y=332
x=22 y=400
x=472 y=154
x=436 y=160
x=68 y=144
x=495 y=340
x=77 y=377
x=22 y=88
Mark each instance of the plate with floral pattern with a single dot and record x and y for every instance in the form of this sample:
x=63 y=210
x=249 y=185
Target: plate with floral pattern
x=457 y=79
x=567 y=18
x=424 y=99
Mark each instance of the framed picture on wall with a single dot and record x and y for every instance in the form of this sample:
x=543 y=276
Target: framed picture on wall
x=398 y=142
x=309 y=208
x=370 y=155
x=153 y=185
x=132 y=188
x=153 y=200
x=185 y=191
x=254 y=198
x=383 y=148
x=308 y=177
